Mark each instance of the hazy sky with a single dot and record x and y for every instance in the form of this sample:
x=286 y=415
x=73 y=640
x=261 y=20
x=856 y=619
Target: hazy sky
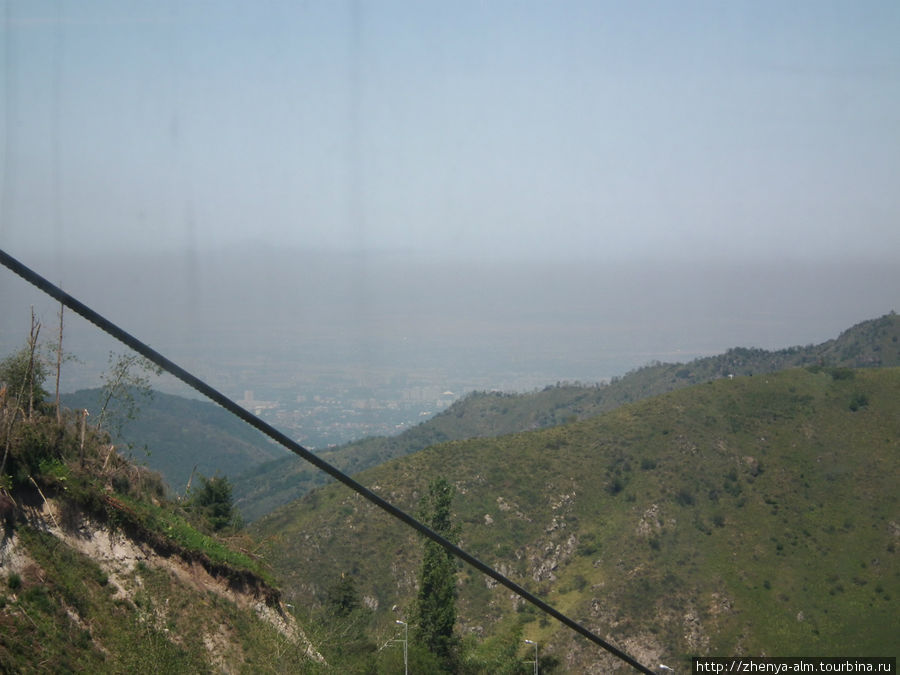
x=594 y=130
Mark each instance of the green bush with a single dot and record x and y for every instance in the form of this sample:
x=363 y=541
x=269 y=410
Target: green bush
x=213 y=502
x=684 y=497
x=858 y=401
x=24 y=374
x=615 y=486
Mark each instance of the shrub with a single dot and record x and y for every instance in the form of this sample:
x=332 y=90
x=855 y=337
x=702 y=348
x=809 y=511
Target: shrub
x=858 y=401
x=25 y=373
x=615 y=486
x=684 y=497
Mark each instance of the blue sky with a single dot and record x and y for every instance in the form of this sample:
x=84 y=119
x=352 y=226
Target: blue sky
x=598 y=131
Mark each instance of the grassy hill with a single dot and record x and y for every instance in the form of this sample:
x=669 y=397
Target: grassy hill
x=99 y=572
x=181 y=434
x=874 y=343
x=754 y=515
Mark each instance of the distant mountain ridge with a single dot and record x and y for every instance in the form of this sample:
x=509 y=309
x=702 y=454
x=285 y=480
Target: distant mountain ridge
x=872 y=343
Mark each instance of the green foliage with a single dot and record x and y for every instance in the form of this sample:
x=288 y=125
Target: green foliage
x=858 y=400
x=420 y=660
x=343 y=596
x=126 y=381
x=684 y=497
x=34 y=447
x=24 y=374
x=615 y=485
x=212 y=502
x=500 y=654
x=436 y=598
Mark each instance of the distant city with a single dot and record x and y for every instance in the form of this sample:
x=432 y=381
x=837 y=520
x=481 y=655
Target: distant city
x=330 y=411
x=326 y=419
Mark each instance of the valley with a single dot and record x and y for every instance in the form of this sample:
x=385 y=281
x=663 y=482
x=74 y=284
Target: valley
x=740 y=504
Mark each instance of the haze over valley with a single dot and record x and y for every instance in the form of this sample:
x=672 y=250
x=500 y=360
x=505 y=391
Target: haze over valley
x=388 y=206
x=336 y=347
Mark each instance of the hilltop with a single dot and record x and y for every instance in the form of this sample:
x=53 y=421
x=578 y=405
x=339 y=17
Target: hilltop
x=873 y=343
x=753 y=515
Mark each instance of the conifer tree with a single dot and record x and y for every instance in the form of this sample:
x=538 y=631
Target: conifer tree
x=436 y=599
x=343 y=597
x=213 y=502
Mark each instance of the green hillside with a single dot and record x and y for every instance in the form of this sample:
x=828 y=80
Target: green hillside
x=754 y=515
x=100 y=572
x=182 y=434
x=260 y=489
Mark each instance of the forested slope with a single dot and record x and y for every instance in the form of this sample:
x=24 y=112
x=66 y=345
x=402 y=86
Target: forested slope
x=754 y=515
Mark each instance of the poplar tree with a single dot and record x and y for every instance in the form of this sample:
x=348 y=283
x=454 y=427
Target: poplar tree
x=436 y=599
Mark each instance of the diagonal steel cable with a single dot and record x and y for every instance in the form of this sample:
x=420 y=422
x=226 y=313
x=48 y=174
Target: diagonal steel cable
x=199 y=385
